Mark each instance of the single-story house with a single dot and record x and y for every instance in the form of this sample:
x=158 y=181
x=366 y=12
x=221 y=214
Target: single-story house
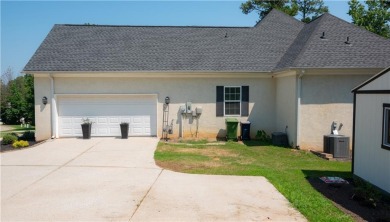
x=371 y=130
x=281 y=75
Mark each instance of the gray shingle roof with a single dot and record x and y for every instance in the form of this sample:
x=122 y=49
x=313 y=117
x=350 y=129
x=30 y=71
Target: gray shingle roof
x=367 y=50
x=277 y=42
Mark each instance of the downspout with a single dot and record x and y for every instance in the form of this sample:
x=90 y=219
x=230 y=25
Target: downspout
x=53 y=109
x=353 y=133
x=298 y=106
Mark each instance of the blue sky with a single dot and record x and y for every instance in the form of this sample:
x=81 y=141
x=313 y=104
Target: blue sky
x=24 y=24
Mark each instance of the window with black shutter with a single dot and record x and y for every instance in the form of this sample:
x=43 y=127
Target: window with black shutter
x=232 y=101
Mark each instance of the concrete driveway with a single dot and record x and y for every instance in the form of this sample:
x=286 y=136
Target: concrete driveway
x=109 y=179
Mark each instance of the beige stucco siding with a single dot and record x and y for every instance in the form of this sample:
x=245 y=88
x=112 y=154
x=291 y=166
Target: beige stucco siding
x=42 y=112
x=372 y=163
x=324 y=99
x=201 y=92
x=286 y=106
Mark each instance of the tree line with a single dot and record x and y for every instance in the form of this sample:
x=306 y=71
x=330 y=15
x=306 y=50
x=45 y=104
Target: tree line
x=373 y=15
x=17 y=98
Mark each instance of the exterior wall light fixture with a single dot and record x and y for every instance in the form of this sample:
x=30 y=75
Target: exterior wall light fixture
x=167 y=100
x=44 y=100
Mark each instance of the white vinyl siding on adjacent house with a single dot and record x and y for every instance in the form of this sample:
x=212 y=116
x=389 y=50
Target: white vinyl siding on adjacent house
x=106 y=113
x=371 y=158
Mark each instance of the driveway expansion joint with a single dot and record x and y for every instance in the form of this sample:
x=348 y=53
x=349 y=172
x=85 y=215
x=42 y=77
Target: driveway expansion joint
x=143 y=198
x=51 y=172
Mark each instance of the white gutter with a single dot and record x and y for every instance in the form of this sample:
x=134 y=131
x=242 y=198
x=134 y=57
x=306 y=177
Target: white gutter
x=298 y=107
x=53 y=109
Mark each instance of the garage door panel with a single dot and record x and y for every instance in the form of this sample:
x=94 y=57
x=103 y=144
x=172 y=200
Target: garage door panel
x=138 y=131
x=115 y=120
x=67 y=132
x=115 y=130
x=102 y=131
x=107 y=113
x=102 y=120
x=125 y=119
x=78 y=132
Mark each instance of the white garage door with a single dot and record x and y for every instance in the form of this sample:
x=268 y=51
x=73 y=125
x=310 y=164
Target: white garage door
x=106 y=113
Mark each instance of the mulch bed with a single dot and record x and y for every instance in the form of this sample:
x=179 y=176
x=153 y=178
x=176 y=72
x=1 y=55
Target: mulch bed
x=343 y=198
x=9 y=148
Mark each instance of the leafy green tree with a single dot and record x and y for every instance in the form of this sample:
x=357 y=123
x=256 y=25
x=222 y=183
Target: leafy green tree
x=373 y=15
x=29 y=96
x=306 y=9
x=17 y=98
x=310 y=9
x=263 y=7
x=17 y=103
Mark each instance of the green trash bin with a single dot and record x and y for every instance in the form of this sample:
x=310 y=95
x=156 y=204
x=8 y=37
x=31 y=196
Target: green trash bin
x=231 y=128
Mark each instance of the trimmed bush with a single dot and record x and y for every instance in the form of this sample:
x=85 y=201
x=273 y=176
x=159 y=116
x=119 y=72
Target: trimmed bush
x=28 y=135
x=262 y=136
x=9 y=138
x=20 y=144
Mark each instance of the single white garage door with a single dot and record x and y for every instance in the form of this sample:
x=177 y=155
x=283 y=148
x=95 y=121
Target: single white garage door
x=106 y=113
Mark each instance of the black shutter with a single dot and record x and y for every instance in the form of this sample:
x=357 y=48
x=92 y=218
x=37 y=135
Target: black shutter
x=245 y=101
x=219 y=103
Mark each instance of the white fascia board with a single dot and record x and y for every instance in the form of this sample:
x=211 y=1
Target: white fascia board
x=191 y=74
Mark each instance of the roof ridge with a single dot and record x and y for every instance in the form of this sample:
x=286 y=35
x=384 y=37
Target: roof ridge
x=152 y=26
x=319 y=20
x=274 y=10
x=356 y=26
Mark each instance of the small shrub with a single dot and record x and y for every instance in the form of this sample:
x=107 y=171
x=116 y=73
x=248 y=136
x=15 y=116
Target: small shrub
x=9 y=138
x=20 y=143
x=262 y=136
x=366 y=193
x=28 y=135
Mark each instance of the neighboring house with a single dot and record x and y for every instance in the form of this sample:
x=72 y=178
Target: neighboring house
x=281 y=75
x=371 y=145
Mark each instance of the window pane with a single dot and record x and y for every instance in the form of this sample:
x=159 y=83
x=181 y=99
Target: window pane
x=232 y=108
x=233 y=93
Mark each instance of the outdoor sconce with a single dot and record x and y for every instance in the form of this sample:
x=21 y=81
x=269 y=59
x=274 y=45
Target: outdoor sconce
x=167 y=100
x=44 y=100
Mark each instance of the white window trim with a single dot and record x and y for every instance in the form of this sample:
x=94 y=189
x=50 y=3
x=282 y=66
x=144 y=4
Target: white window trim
x=224 y=101
x=385 y=133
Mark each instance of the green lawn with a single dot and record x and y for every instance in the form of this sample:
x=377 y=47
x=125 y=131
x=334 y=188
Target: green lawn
x=16 y=129
x=286 y=169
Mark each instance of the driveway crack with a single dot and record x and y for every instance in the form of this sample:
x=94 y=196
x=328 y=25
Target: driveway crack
x=143 y=198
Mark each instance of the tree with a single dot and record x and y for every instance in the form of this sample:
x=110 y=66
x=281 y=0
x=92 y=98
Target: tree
x=263 y=7
x=307 y=9
x=29 y=96
x=16 y=103
x=17 y=98
x=6 y=78
x=373 y=15
x=311 y=9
